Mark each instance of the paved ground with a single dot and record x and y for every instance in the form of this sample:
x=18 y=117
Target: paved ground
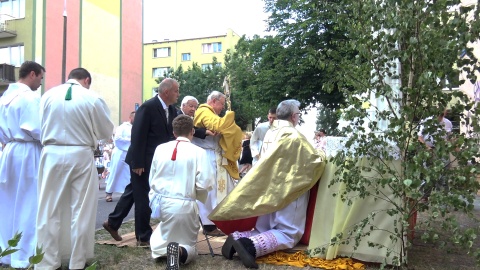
x=105 y=208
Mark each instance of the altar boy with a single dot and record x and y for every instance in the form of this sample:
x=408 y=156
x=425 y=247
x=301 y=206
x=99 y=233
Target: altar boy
x=179 y=175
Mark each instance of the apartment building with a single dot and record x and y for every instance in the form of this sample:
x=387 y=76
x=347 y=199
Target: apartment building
x=105 y=37
x=159 y=56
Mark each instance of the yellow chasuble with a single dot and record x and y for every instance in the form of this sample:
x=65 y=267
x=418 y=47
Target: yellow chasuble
x=231 y=140
x=289 y=168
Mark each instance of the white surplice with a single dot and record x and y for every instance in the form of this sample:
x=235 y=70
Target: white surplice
x=20 y=132
x=256 y=141
x=175 y=185
x=214 y=159
x=68 y=178
x=119 y=176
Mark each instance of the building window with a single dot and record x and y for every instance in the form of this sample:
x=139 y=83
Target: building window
x=161 y=52
x=212 y=47
x=207 y=66
x=14 y=8
x=159 y=72
x=12 y=55
x=186 y=57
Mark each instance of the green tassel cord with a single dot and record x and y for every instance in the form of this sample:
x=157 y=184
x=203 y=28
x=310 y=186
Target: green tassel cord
x=68 y=96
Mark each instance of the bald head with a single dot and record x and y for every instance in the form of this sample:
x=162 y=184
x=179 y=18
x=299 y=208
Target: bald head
x=168 y=90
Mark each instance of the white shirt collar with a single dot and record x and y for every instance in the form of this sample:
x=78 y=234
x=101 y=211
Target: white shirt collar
x=163 y=103
x=183 y=139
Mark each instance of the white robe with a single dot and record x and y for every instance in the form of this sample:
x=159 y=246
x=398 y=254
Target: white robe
x=256 y=141
x=283 y=228
x=214 y=160
x=20 y=131
x=175 y=185
x=68 y=179
x=119 y=176
x=288 y=224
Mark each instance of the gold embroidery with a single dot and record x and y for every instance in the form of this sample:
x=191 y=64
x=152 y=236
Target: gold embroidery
x=221 y=184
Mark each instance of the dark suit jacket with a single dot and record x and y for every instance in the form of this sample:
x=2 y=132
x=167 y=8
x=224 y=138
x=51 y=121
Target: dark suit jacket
x=149 y=129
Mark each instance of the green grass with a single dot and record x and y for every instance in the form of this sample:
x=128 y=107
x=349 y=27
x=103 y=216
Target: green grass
x=421 y=256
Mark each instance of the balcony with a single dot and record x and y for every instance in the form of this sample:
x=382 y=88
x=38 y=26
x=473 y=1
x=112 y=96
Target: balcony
x=7 y=26
x=7 y=74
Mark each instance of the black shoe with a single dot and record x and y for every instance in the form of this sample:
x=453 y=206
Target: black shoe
x=209 y=228
x=246 y=251
x=173 y=256
x=227 y=248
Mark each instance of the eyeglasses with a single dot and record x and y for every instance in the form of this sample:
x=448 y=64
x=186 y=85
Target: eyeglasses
x=299 y=114
x=191 y=106
x=223 y=103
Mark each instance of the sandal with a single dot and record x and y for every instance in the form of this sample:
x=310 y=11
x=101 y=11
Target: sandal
x=108 y=198
x=172 y=256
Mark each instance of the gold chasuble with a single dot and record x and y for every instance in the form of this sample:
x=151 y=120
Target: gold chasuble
x=231 y=140
x=289 y=168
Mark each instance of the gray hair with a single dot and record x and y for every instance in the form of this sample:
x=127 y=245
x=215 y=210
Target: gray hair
x=286 y=108
x=166 y=84
x=187 y=99
x=215 y=95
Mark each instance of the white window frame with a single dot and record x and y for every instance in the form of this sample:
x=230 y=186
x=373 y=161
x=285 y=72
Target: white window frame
x=159 y=71
x=189 y=56
x=162 y=52
x=14 y=8
x=209 y=65
x=214 y=47
x=13 y=55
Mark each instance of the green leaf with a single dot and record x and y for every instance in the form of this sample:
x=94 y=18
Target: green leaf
x=93 y=266
x=407 y=182
x=9 y=251
x=36 y=258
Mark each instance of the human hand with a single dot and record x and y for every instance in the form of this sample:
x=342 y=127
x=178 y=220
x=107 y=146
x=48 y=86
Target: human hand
x=138 y=171
x=212 y=133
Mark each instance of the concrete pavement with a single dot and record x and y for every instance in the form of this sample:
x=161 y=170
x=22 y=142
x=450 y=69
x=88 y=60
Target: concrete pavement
x=105 y=208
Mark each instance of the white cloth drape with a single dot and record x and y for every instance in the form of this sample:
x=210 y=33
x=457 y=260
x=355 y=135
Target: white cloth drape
x=20 y=132
x=119 y=176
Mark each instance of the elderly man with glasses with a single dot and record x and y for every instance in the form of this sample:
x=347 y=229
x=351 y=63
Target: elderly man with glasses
x=223 y=152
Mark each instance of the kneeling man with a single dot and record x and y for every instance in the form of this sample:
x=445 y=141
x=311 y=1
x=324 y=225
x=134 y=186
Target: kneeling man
x=180 y=174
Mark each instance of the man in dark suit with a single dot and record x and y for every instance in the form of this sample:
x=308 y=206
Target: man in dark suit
x=150 y=129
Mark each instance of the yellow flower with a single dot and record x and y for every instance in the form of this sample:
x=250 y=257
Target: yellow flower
x=366 y=105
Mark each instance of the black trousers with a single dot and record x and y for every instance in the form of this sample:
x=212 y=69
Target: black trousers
x=135 y=192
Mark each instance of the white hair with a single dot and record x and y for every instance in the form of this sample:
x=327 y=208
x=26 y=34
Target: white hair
x=215 y=95
x=286 y=108
x=187 y=99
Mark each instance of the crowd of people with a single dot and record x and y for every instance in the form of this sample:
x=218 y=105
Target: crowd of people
x=180 y=165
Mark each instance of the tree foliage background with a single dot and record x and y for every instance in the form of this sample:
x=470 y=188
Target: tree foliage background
x=388 y=66
x=327 y=119
x=393 y=61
